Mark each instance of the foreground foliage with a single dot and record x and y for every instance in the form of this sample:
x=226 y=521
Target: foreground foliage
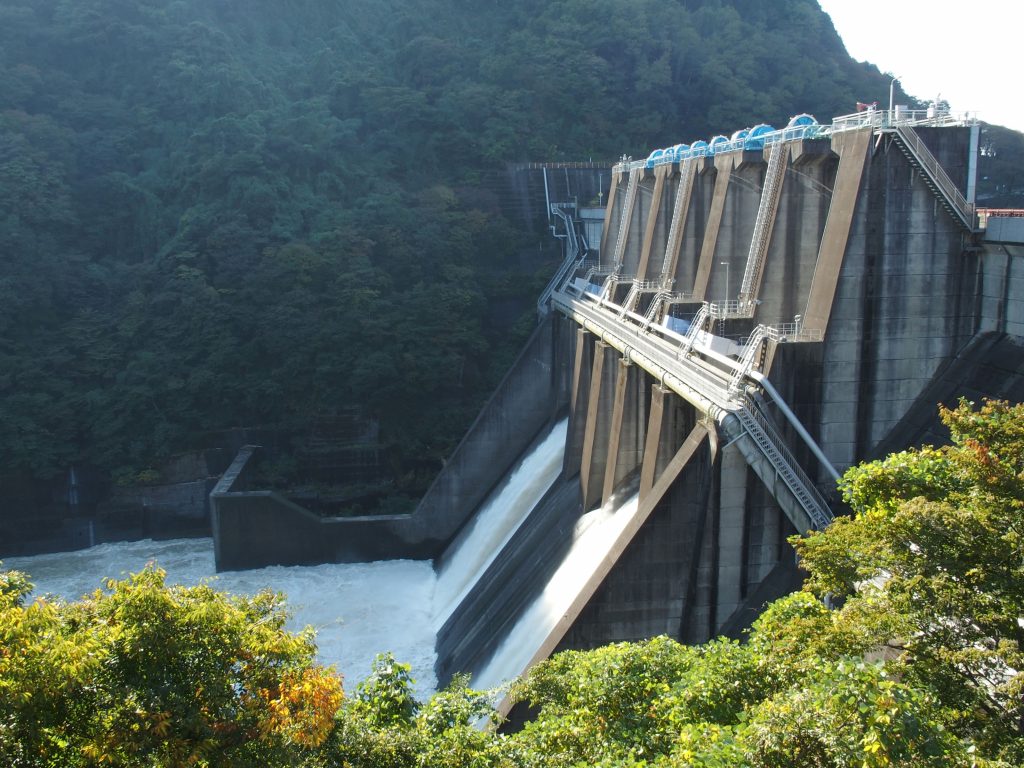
x=145 y=674
x=915 y=665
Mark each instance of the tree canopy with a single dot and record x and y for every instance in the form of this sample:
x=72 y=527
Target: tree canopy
x=249 y=214
x=903 y=649
x=146 y=674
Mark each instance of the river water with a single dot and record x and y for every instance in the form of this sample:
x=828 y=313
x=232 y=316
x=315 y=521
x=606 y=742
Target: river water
x=357 y=610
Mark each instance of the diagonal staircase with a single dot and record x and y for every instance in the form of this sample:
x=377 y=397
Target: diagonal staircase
x=935 y=176
x=763 y=226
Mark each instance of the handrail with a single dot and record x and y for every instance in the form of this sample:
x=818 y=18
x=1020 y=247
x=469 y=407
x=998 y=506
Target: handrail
x=731 y=308
x=573 y=257
x=610 y=283
x=931 y=166
x=878 y=119
x=750 y=353
x=783 y=332
x=774 y=448
x=682 y=204
x=696 y=326
x=638 y=288
x=627 y=208
x=655 y=309
x=766 y=209
x=704 y=383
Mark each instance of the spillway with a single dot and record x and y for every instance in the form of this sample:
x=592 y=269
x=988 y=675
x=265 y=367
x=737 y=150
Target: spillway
x=594 y=536
x=499 y=518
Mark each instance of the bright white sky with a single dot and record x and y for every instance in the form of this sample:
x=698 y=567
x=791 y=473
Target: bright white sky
x=970 y=53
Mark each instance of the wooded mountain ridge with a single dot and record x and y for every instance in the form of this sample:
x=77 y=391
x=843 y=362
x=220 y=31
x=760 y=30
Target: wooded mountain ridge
x=264 y=214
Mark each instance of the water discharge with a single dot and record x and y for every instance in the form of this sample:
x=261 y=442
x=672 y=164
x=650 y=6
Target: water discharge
x=593 y=538
x=357 y=610
x=496 y=522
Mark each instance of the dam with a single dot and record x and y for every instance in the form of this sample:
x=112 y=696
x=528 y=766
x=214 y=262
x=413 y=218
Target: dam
x=762 y=311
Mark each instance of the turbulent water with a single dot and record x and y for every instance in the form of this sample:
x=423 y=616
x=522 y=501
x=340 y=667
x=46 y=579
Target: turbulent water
x=593 y=537
x=357 y=610
x=498 y=519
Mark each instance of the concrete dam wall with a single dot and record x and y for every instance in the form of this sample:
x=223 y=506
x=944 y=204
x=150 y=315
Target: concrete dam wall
x=759 y=318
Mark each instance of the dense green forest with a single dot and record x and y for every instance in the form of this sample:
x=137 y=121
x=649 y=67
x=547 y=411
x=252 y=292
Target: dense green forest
x=262 y=214
x=902 y=650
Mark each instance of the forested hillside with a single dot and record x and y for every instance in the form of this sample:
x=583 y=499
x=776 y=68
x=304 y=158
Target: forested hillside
x=217 y=213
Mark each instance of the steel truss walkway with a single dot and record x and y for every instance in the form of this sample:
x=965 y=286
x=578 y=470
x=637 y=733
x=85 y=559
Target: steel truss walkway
x=667 y=359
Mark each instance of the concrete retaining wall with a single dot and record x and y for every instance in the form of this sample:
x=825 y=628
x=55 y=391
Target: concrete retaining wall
x=257 y=528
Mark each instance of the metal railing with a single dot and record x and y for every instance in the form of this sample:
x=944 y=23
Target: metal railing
x=878 y=119
x=654 y=311
x=596 y=270
x=627 y=209
x=774 y=448
x=639 y=288
x=919 y=153
x=573 y=259
x=611 y=283
x=884 y=118
x=570 y=165
x=682 y=204
x=647 y=286
x=696 y=326
x=680 y=297
x=984 y=214
x=730 y=308
x=662 y=358
x=763 y=225
x=791 y=332
x=751 y=351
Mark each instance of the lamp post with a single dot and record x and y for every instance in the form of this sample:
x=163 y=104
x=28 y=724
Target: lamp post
x=726 y=265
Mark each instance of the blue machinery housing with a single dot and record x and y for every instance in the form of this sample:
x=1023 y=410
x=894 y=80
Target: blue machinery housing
x=802 y=126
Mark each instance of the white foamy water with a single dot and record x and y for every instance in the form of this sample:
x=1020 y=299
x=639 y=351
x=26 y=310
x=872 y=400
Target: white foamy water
x=498 y=519
x=593 y=537
x=357 y=610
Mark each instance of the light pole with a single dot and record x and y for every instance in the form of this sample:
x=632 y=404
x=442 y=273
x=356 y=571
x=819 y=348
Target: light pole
x=726 y=264
x=892 y=91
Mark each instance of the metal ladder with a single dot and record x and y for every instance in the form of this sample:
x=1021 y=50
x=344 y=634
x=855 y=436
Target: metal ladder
x=679 y=210
x=610 y=283
x=627 y=207
x=750 y=353
x=696 y=326
x=762 y=227
x=636 y=290
x=629 y=302
x=653 y=311
x=771 y=446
